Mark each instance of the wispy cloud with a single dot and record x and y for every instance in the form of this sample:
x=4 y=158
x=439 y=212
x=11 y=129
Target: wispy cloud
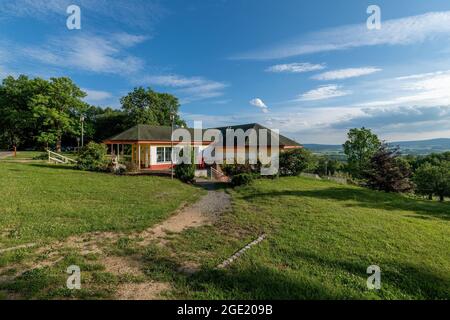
x=134 y=13
x=193 y=88
x=257 y=102
x=295 y=67
x=383 y=118
x=95 y=96
x=129 y=40
x=324 y=92
x=401 y=31
x=426 y=89
x=342 y=74
x=92 y=53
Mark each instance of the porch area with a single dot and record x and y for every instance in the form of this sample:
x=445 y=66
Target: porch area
x=146 y=156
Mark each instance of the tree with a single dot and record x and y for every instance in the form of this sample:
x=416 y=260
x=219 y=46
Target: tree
x=361 y=145
x=388 y=172
x=294 y=162
x=145 y=106
x=17 y=124
x=107 y=123
x=58 y=108
x=326 y=166
x=433 y=179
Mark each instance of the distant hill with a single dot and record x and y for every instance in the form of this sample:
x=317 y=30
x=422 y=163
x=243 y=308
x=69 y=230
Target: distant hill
x=407 y=147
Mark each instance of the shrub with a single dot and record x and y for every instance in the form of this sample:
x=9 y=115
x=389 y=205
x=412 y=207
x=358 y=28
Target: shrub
x=242 y=179
x=132 y=167
x=92 y=157
x=294 y=162
x=185 y=171
x=42 y=156
x=235 y=169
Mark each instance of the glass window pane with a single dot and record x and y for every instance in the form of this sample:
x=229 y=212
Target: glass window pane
x=168 y=156
x=160 y=154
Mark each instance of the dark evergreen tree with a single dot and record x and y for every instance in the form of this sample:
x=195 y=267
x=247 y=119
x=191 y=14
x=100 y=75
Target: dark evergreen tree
x=388 y=171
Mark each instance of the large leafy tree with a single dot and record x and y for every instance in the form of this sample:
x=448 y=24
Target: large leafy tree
x=58 y=109
x=108 y=122
x=388 y=172
x=361 y=145
x=433 y=179
x=294 y=162
x=17 y=124
x=145 y=106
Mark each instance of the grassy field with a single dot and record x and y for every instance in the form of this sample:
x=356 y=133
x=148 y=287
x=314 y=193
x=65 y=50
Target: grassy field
x=321 y=237
x=42 y=202
x=30 y=155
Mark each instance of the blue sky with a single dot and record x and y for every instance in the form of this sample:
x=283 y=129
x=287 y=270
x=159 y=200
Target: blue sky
x=309 y=68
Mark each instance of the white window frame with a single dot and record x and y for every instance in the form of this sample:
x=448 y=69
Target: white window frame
x=164 y=160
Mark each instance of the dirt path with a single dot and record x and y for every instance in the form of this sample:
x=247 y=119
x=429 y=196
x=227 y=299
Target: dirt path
x=5 y=154
x=204 y=212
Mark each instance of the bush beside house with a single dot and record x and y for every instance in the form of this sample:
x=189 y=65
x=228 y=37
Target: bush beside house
x=92 y=157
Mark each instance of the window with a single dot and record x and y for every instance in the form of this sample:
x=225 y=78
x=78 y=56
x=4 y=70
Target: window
x=168 y=154
x=163 y=154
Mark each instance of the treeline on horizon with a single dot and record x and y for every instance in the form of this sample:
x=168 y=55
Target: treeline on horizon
x=36 y=113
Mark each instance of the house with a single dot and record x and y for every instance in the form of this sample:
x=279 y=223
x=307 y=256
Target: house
x=151 y=146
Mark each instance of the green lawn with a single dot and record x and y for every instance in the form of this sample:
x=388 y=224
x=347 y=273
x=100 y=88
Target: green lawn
x=321 y=238
x=31 y=155
x=41 y=202
x=24 y=155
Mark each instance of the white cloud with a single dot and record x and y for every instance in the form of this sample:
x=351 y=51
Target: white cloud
x=401 y=31
x=257 y=102
x=323 y=92
x=426 y=89
x=134 y=13
x=295 y=67
x=94 y=96
x=129 y=40
x=87 y=52
x=194 y=88
x=346 y=73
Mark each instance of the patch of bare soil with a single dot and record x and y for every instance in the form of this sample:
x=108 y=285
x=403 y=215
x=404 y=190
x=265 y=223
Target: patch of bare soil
x=141 y=291
x=122 y=265
x=203 y=212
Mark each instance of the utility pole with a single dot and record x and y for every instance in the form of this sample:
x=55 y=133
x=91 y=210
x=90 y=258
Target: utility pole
x=82 y=130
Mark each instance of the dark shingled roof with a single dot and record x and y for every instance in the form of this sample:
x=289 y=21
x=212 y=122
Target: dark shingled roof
x=160 y=133
x=284 y=141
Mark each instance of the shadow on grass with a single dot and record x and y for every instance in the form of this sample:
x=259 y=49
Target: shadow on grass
x=368 y=199
x=409 y=279
x=264 y=283
x=53 y=166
